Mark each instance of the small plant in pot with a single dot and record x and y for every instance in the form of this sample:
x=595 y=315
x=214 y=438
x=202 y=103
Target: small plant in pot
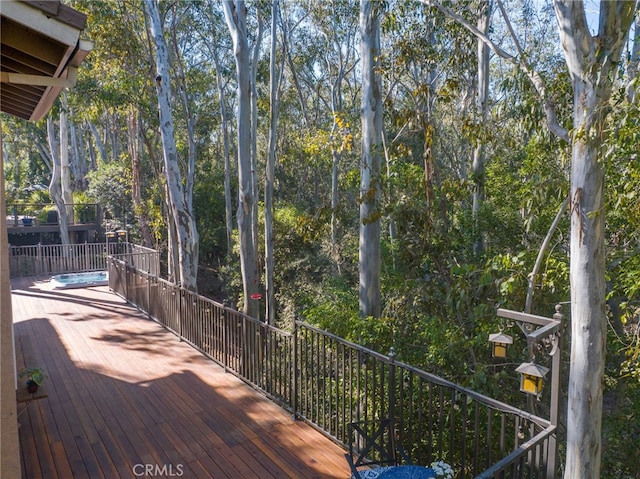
x=35 y=377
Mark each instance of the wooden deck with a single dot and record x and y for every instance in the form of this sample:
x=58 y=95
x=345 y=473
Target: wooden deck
x=125 y=398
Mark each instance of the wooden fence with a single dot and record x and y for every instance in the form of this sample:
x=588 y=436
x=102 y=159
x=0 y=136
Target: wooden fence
x=330 y=382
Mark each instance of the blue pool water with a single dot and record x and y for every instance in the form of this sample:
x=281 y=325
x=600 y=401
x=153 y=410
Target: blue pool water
x=80 y=280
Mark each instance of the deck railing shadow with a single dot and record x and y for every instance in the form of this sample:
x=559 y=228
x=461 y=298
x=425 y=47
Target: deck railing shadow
x=330 y=382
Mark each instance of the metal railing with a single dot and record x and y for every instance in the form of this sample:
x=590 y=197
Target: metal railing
x=330 y=382
x=37 y=260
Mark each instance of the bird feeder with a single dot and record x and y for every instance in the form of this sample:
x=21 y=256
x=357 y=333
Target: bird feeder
x=499 y=342
x=531 y=376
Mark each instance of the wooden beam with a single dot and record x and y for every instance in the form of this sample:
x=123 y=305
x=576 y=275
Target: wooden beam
x=37 y=80
x=32 y=43
x=9 y=439
x=527 y=318
x=36 y=20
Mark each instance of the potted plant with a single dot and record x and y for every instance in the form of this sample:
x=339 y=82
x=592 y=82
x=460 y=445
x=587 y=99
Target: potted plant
x=35 y=377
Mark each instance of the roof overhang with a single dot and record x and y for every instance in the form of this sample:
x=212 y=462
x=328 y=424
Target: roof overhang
x=41 y=51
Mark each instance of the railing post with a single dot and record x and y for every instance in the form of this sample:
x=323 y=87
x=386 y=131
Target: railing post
x=226 y=325
x=126 y=281
x=149 y=295
x=392 y=403
x=556 y=367
x=179 y=292
x=294 y=367
x=40 y=265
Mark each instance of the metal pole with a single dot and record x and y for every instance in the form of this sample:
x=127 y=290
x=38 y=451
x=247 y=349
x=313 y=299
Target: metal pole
x=556 y=367
x=392 y=404
x=179 y=293
x=294 y=367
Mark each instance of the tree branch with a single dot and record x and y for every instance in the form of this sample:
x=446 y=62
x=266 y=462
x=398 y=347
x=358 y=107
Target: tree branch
x=541 y=253
x=534 y=77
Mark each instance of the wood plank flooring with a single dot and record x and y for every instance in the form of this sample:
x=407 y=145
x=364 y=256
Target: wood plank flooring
x=126 y=399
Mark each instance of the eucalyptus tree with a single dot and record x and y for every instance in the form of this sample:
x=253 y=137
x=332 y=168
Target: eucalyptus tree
x=371 y=159
x=55 y=186
x=633 y=86
x=428 y=83
x=236 y=17
x=335 y=21
x=593 y=62
x=120 y=86
x=482 y=106
x=184 y=221
x=65 y=163
x=275 y=80
x=217 y=45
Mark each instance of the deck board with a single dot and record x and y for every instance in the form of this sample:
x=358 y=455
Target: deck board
x=123 y=391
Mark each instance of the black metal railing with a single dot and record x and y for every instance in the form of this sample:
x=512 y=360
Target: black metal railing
x=330 y=382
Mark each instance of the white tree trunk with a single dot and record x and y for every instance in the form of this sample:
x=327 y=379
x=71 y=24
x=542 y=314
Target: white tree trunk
x=274 y=78
x=65 y=169
x=337 y=129
x=78 y=163
x=482 y=96
x=236 y=15
x=186 y=232
x=133 y=146
x=633 y=88
x=224 y=126
x=99 y=143
x=189 y=121
x=592 y=63
x=254 y=128
x=370 y=184
x=55 y=187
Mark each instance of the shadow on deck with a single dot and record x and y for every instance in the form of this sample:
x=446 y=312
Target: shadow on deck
x=126 y=398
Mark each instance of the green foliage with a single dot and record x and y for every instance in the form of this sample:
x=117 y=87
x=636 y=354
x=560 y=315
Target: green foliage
x=35 y=374
x=110 y=185
x=621 y=436
x=209 y=209
x=335 y=310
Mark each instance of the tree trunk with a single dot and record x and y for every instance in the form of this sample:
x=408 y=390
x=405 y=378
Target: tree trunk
x=592 y=63
x=528 y=304
x=55 y=188
x=189 y=120
x=274 y=78
x=482 y=96
x=78 y=163
x=236 y=16
x=254 y=130
x=99 y=143
x=633 y=88
x=133 y=129
x=65 y=169
x=370 y=184
x=588 y=315
x=224 y=126
x=186 y=232
x=337 y=61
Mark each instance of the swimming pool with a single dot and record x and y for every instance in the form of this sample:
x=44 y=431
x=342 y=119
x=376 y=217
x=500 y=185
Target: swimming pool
x=80 y=280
